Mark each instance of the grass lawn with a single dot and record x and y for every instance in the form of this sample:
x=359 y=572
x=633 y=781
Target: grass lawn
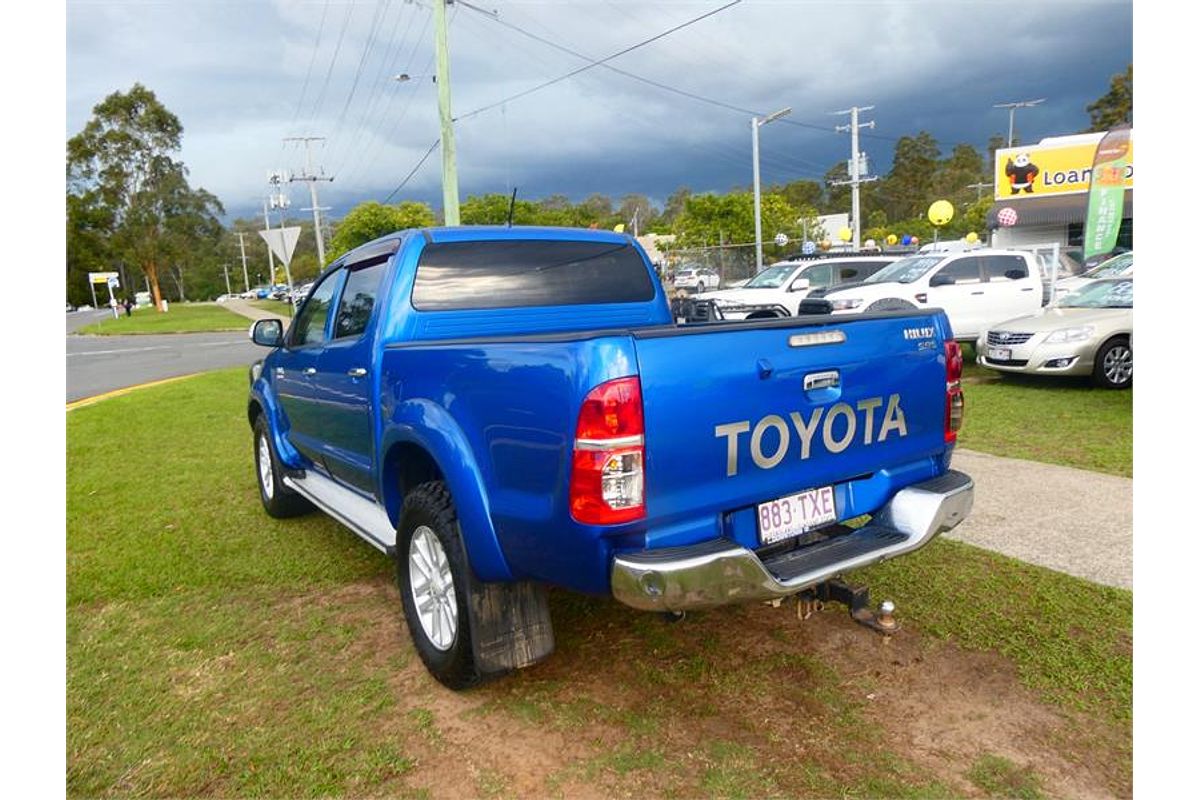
x=1057 y=420
x=212 y=650
x=181 y=318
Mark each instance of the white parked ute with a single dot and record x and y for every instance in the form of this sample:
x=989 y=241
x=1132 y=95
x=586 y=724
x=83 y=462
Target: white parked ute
x=976 y=288
x=778 y=290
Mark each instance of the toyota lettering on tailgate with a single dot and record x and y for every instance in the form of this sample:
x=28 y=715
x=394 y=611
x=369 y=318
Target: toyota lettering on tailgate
x=835 y=436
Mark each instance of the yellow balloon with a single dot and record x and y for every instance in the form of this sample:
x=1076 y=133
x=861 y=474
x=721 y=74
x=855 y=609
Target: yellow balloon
x=941 y=212
x=891 y=239
x=972 y=237
x=845 y=234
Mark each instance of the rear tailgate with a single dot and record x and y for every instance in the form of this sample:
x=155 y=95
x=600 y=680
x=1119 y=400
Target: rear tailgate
x=741 y=414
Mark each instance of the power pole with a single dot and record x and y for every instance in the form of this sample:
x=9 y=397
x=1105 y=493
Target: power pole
x=449 y=167
x=1012 y=110
x=245 y=272
x=755 y=124
x=311 y=179
x=227 y=289
x=280 y=200
x=856 y=161
x=270 y=257
x=979 y=187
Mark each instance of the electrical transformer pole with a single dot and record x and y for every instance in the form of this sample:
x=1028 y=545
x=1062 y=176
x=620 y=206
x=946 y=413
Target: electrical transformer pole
x=855 y=166
x=449 y=167
x=311 y=179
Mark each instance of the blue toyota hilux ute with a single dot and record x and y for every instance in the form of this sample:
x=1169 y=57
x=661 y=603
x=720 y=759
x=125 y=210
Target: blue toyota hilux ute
x=503 y=409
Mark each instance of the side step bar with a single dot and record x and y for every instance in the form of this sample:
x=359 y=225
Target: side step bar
x=719 y=571
x=362 y=515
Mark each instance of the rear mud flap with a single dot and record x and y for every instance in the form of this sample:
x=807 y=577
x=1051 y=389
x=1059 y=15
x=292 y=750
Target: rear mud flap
x=511 y=626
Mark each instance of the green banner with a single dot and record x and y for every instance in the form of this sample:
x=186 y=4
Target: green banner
x=1106 y=197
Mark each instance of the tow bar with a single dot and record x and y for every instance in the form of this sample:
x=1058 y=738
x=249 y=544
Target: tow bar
x=857 y=600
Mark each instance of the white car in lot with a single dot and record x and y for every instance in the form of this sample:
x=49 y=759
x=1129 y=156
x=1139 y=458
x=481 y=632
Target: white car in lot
x=698 y=278
x=975 y=288
x=778 y=289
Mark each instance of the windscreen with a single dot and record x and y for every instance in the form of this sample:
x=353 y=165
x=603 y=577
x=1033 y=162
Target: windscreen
x=906 y=270
x=1101 y=294
x=770 y=278
x=522 y=273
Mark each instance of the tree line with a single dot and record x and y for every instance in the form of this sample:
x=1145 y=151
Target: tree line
x=131 y=208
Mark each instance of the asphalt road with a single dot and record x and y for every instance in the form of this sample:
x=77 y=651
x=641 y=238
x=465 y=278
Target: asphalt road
x=98 y=364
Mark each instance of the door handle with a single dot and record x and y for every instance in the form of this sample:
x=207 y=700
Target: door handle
x=975 y=293
x=357 y=372
x=310 y=370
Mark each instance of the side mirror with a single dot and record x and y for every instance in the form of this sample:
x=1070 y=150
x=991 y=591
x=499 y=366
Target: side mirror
x=267 y=332
x=941 y=280
x=799 y=284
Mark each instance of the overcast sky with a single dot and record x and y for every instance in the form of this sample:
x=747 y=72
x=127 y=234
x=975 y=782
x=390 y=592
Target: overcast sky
x=241 y=75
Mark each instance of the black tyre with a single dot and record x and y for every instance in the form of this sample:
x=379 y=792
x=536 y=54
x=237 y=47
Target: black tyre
x=434 y=579
x=1114 y=364
x=278 y=500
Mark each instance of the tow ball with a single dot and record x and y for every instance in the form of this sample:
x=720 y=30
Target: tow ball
x=857 y=600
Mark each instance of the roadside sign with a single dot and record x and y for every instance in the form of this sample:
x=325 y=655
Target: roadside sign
x=102 y=277
x=282 y=242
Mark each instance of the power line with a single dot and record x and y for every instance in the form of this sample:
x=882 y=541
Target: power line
x=333 y=61
x=311 y=62
x=592 y=64
x=408 y=177
x=649 y=81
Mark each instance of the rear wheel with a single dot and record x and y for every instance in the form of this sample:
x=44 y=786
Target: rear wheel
x=1114 y=365
x=433 y=576
x=278 y=500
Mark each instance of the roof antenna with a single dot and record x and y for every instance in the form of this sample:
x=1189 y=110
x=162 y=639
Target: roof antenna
x=511 y=203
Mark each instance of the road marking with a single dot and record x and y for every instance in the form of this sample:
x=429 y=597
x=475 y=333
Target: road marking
x=96 y=398
x=154 y=347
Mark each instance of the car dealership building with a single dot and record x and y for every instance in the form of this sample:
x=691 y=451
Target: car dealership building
x=1041 y=193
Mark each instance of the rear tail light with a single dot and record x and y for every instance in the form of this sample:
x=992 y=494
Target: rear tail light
x=955 y=403
x=608 y=464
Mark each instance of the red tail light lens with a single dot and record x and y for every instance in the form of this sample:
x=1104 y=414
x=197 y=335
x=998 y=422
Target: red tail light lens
x=955 y=403
x=608 y=464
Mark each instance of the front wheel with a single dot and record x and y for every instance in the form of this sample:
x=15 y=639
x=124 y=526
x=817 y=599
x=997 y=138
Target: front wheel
x=278 y=500
x=1114 y=365
x=433 y=576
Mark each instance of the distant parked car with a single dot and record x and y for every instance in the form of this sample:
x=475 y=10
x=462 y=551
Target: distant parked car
x=70 y=308
x=1120 y=266
x=778 y=290
x=698 y=278
x=1088 y=332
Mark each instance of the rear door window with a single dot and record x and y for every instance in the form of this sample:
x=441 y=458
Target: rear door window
x=358 y=298
x=522 y=273
x=999 y=267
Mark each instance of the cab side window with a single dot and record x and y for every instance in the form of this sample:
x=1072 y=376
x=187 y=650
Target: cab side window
x=1006 y=268
x=963 y=270
x=309 y=327
x=358 y=298
x=818 y=276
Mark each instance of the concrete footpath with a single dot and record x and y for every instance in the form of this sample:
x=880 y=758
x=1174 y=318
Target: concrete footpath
x=1067 y=519
x=243 y=307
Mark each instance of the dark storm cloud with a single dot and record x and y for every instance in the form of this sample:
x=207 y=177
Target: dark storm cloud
x=234 y=73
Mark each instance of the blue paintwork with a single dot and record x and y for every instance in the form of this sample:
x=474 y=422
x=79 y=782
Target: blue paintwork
x=497 y=412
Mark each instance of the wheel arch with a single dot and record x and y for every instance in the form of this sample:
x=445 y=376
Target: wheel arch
x=437 y=449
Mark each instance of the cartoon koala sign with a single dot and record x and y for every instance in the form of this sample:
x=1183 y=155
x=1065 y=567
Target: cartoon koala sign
x=1021 y=173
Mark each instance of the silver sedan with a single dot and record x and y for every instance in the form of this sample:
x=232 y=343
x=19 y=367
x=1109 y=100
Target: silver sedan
x=1088 y=332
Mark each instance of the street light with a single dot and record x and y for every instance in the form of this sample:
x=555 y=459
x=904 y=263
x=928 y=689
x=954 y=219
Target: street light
x=755 y=124
x=1012 y=110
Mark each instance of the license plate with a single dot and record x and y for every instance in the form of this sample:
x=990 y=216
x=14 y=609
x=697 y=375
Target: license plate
x=999 y=353
x=795 y=514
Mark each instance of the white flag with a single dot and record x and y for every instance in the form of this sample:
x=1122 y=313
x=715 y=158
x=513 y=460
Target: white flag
x=282 y=242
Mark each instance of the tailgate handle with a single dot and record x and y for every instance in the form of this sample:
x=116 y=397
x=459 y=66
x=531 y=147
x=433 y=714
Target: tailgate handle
x=821 y=380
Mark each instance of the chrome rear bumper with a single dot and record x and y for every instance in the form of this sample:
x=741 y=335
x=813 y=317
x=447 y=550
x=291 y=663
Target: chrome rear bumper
x=719 y=571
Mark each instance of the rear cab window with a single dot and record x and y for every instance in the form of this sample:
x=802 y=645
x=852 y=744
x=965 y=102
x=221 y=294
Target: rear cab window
x=486 y=274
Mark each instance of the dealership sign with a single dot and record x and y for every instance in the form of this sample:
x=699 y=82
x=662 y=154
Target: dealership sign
x=1053 y=167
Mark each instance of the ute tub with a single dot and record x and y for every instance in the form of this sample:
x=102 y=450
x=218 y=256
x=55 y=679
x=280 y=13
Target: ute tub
x=719 y=572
